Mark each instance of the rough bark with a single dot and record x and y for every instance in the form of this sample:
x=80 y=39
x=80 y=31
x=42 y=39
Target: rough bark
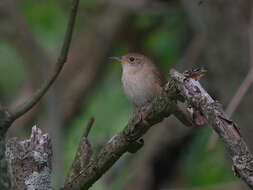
x=216 y=38
x=124 y=141
x=4 y=124
x=29 y=162
x=228 y=131
x=225 y=27
x=180 y=88
x=83 y=154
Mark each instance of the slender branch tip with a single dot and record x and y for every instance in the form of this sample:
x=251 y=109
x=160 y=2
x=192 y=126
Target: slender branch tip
x=88 y=127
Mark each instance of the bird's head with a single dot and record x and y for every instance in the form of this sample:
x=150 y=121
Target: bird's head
x=132 y=59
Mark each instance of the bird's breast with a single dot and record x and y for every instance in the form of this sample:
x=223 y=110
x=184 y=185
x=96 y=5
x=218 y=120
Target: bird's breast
x=140 y=86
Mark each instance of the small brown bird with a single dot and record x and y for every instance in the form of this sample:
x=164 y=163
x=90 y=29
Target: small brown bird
x=141 y=79
x=142 y=82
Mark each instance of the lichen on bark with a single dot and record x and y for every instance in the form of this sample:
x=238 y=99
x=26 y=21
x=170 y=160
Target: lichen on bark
x=29 y=161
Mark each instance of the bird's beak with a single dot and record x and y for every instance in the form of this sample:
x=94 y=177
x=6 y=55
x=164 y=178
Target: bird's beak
x=116 y=58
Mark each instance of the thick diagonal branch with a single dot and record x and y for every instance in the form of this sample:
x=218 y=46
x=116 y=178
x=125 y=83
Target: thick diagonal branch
x=121 y=143
x=228 y=131
x=26 y=106
x=178 y=88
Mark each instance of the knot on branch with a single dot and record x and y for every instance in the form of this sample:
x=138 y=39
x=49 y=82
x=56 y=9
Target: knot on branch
x=29 y=161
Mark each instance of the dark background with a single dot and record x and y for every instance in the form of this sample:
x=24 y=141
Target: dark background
x=214 y=34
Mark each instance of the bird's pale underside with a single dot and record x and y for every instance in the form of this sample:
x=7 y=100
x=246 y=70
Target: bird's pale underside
x=142 y=82
x=141 y=79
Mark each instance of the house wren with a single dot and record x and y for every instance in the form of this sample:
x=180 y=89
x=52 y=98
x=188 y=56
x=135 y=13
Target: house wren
x=142 y=82
x=141 y=79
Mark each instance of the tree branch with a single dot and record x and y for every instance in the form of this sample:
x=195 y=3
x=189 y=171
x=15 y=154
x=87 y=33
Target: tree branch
x=124 y=141
x=179 y=88
x=4 y=125
x=83 y=154
x=183 y=117
x=26 y=106
x=163 y=106
x=228 y=131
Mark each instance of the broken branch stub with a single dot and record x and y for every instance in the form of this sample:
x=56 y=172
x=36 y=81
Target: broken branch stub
x=29 y=161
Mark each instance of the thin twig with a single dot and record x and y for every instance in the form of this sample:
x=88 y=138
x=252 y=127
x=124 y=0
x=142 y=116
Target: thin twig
x=240 y=93
x=247 y=82
x=234 y=103
x=26 y=106
x=83 y=154
x=88 y=127
x=243 y=88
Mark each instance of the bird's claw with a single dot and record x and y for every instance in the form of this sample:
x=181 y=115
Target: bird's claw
x=143 y=113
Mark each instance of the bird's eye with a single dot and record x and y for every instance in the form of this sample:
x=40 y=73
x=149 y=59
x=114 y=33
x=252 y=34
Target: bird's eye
x=131 y=59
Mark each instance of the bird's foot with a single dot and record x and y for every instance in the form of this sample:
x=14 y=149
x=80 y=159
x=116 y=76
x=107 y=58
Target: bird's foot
x=143 y=113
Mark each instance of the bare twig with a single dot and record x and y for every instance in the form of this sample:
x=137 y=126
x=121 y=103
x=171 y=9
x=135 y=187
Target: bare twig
x=4 y=124
x=234 y=103
x=243 y=88
x=83 y=154
x=26 y=106
x=88 y=127
x=240 y=93
x=228 y=131
x=111 y=20
x=247 y=82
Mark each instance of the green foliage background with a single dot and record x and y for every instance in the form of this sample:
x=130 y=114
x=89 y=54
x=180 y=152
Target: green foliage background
x=164 y=37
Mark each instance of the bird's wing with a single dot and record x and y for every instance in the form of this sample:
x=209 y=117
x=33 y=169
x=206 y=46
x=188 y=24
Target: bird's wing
x=160 y=78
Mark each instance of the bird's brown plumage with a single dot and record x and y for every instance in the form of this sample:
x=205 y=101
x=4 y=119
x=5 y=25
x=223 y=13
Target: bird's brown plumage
x=142 y=81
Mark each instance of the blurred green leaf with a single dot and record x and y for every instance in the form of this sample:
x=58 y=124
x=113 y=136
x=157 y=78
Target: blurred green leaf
x=204 y=166
x=43 y=15
x=47 y=21
x=12 y=71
